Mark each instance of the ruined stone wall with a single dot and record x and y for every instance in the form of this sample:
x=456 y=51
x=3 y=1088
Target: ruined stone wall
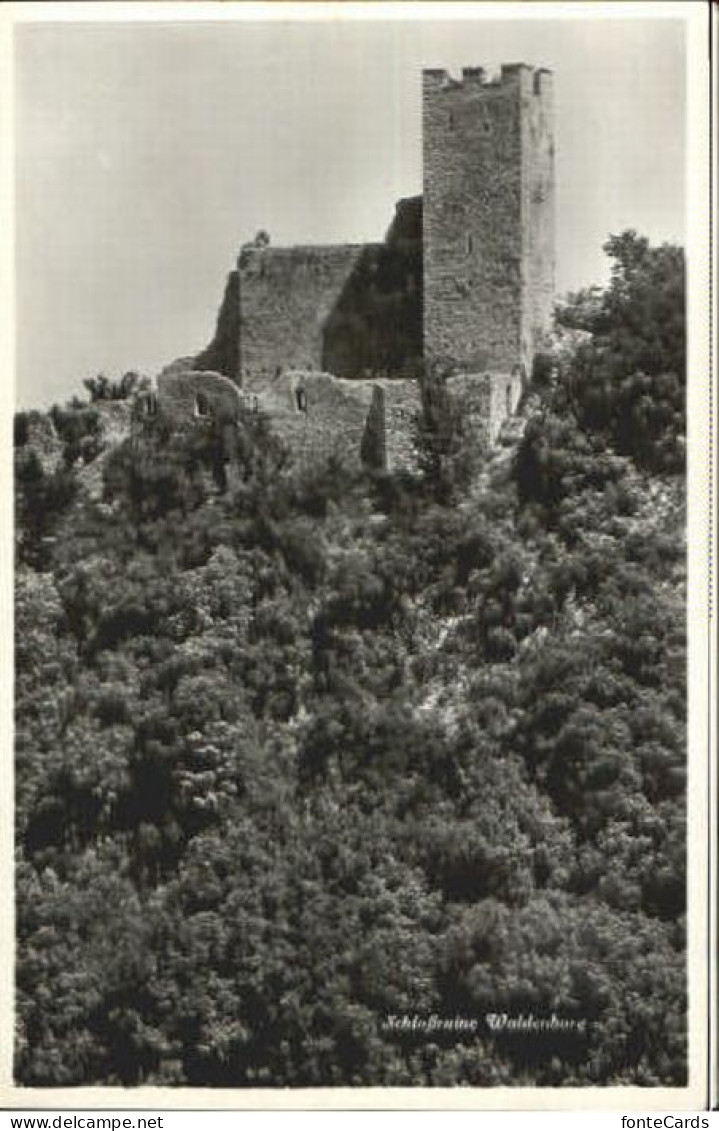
x=505 y=392
x=286 y=296
x=353 y=310
x=486 y=400
x=402 y=404
x=331 y=421
x=472 y=394
x=375 y=328
x=373 y=452
x=538 y=208
x=488 y=216
x=193 y=395
x=222 y=354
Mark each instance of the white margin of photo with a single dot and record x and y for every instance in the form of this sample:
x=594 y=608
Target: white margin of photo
x=701 y=699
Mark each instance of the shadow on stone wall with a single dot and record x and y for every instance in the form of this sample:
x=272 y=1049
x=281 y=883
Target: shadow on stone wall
x=375 y=326
x=221 y=355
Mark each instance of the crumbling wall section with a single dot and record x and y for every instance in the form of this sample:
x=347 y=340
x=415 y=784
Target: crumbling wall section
x=488 y=217
x=373 y=452
x=375 y=328
x=222 y=354
x=320 y=416
x=115 y=418
x=115 y=425
x=486 y=400
x=195 y=395
x=353 y=309
x=286 y=296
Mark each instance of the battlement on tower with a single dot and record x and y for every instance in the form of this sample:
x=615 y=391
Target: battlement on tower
x=534 y=80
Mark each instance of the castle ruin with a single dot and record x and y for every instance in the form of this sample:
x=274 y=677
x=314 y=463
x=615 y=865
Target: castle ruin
x=328 y=340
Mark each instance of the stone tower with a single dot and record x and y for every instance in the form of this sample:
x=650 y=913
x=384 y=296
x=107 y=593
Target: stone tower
x=488 y=217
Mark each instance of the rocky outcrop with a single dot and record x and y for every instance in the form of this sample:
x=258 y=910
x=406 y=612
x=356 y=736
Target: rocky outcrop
x=41 y=438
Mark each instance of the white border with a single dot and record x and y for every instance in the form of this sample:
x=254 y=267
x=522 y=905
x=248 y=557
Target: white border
x=695 y=15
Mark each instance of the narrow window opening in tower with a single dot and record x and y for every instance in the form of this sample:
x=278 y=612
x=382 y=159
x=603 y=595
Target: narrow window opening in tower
x=470 y=244
x=450 y=121
x=202 y=405
x=508 y=396
x=301 y=398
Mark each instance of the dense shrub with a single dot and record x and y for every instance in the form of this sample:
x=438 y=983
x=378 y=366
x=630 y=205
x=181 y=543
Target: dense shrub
x=629 y=381
x=357 y=746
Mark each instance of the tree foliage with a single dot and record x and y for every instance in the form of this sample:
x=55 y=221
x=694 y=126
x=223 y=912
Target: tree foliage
x=298 y=753
x=104 y=388
x=628 y=382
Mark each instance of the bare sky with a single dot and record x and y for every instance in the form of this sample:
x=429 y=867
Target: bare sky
x=146 y=154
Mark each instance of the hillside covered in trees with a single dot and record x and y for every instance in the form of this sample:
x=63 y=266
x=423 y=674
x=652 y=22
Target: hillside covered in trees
x=303 y=758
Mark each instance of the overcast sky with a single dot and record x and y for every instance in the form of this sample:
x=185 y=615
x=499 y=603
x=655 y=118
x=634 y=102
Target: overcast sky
x=146 y=154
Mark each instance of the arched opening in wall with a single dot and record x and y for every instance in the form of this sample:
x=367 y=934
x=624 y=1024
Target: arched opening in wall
x=301 y=399
x=202 y=405
x=149 y=405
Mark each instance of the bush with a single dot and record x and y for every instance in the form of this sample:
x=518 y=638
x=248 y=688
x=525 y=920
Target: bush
x=80 y=432
x=628 y=382
x=102 y=388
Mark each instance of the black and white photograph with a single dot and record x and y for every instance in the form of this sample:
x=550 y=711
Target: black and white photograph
x=356 y=738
